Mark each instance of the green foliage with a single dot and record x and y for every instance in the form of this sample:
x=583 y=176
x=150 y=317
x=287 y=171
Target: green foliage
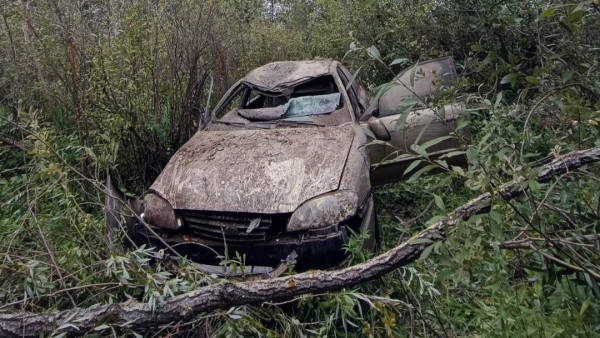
x=91 y=86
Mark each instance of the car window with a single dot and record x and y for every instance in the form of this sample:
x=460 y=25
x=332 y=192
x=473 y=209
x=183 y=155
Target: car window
x=316 y=100
x=311 y=105
x=232 y=104
x=261 y=99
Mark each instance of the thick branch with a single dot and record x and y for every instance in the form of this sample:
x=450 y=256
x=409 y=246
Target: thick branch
x=227 y=294
x=13 y=143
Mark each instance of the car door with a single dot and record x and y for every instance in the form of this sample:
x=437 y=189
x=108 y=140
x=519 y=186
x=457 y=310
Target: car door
x=404 y=116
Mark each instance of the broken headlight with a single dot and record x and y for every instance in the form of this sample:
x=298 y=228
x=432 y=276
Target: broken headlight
x=160 y=213
x=324 y=210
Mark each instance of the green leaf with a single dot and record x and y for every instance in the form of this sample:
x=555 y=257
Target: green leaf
x=472 y=155
x=462 y=123
x=510 y=78
x=401 y=121
x=382 y=89
x=435 y=141
x=89 y=151
x=525 y=92
x=420 y=172
x=441 y=111
x=101 y=327
x=458 y=170
x=353 y=77
x=511 y=58
x=453 y=153
x=496 y=225
x=566 y=76
x=412 y=74
x=584 y=307
x=419 y=150
x=439 y=202
x=477 y=48
x=426 y=252
x=374 y=53
x=442 y=163
x=534 y=186
x=422 y=132
x=547 y=13
x=399 y=61
x=592 y=283
x=418 y=240
x=369 y=133
x=412 y=166
x=444 y=275
x=498 y=100
x=532 y=79
x=435 y=219
x=576 y=16
x=489 y=58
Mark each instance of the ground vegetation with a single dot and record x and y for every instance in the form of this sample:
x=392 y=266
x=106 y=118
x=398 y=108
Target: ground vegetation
x=91 y=87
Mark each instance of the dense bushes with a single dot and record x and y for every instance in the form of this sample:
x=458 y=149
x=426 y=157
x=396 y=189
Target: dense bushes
x=115 y=85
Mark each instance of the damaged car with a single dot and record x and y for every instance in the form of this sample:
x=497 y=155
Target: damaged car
x=283 y=168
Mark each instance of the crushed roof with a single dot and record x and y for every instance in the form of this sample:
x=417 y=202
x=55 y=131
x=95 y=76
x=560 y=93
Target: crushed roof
x=276 y=76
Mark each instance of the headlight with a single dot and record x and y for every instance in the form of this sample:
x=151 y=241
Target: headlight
x=324 y=210
x=160 y=213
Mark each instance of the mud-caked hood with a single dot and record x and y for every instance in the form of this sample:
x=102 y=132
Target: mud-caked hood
x=261 y=171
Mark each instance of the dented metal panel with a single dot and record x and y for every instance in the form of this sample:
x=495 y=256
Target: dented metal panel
x=356 y=174
x=255 y=171
x=426 y=81
x=280 y=76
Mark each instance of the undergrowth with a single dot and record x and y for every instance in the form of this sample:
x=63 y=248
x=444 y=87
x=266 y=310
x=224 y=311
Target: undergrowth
x=529 y=101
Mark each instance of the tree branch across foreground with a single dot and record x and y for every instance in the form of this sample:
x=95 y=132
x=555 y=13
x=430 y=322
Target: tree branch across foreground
x=227 y=294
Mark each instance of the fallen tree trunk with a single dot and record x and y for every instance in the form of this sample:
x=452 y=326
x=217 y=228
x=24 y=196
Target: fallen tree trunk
x=227 y=294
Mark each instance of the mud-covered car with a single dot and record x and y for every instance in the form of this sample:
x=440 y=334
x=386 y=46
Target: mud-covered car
x=282 y=169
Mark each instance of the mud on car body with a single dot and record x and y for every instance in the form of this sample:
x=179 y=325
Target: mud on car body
x=281 y=168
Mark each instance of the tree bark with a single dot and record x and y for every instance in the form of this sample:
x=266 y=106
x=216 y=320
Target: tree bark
x=14 y=144
x=227 y=294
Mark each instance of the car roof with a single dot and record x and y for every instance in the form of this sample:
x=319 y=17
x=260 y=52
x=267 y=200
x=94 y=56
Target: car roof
x=276 y=76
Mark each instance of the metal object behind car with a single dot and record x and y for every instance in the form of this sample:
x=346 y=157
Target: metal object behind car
x=423 y=81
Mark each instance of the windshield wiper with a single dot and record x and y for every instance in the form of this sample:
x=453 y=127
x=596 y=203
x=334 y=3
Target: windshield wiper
x=292 y=122
x=229 y=123
x=244 y=125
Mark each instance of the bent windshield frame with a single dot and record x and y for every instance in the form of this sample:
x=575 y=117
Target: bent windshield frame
x=317 y=100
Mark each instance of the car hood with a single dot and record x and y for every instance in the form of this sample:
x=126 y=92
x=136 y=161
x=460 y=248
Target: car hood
x=257 y=171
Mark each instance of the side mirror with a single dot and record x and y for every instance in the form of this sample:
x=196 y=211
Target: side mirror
x=379 y=129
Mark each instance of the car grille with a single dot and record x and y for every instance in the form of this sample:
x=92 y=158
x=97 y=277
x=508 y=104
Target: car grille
x=232 y=226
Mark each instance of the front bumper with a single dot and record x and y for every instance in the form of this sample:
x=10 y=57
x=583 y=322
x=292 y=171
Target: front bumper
x=316 y=249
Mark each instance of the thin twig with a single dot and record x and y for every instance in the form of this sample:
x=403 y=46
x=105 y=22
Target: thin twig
x=535 y=107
